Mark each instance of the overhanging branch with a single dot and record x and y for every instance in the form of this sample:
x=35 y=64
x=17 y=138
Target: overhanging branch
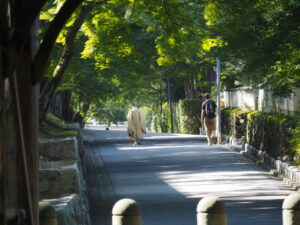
x=41 y=60
x=51 y=85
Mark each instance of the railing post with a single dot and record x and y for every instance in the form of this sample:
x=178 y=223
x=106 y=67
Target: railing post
x=47 y=214
x=211 y=211
x=126 y=212
x=291 y=210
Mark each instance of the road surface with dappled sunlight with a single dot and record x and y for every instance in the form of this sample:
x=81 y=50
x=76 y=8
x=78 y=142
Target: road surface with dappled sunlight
x=169 y=174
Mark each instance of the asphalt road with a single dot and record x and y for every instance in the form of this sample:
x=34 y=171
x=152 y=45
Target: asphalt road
x=169 y=174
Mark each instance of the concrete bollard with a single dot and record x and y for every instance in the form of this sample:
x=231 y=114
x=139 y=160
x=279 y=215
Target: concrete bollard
x=291 y=210
x=211 y=211
x=47 y=214
x=126 y=212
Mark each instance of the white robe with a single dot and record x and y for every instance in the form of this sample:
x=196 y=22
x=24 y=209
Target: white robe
x=136 y=123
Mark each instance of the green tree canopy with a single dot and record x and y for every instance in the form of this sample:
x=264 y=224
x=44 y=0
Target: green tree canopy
x=262 y=40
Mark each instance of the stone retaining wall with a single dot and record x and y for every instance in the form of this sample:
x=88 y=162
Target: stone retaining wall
x=59 y=149
x=62 y=182
x=265 y=131
x=70 y=210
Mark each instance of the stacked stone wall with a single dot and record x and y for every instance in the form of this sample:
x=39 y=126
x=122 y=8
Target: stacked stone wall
x=61 y=179
x=264 y=131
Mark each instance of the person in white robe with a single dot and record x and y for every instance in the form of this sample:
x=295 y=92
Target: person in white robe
x=136 y=123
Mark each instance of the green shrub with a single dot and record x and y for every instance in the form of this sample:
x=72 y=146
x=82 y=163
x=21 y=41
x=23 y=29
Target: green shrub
x=153 y=124
x=149 y=117
x=164 y=118
x=55 y=120
x=185 y=117
x=176 y=119
x=158 y=123
x=189 y=115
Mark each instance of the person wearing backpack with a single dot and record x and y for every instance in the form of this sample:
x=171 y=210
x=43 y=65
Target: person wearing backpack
x=208 y=116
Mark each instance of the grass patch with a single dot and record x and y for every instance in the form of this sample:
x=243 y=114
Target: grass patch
x=55 y=121
x=234 y=111
x=53 y=127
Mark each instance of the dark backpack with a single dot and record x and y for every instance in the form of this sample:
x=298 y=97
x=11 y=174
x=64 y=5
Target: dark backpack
x=209 y=109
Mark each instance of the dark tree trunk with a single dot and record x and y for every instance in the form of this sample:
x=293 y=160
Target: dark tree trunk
x=85 y=108
x=20 y=134
x=160 y=99
x=170 y=104
x=2 y=153
x=41 y=59
x=190 y=89
x=18 y=106
x=61 y=105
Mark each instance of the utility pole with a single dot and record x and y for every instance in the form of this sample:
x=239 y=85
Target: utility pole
x=170 y=104
x=219 y=138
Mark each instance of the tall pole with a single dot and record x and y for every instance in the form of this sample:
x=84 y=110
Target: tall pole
x=170 y=104
x=219 y=138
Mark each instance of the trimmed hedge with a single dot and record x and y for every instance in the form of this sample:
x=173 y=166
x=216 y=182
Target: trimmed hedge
x=185 y=117
x=189 y=115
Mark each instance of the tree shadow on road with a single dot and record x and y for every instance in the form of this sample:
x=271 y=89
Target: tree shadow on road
x=168 y=179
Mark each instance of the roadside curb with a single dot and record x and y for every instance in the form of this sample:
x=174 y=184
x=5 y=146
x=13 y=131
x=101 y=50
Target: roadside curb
x=288 y=173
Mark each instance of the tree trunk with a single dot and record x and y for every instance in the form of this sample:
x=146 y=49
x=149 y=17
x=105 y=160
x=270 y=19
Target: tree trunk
x=190 y=88
x=170 y=104
x=85 y=108
x=21 y=138
x=160 y=99
x=61 y=105
x=2 y=153
x=41 y=59
x=18 y=131
x=52 y=84
x=18 y=111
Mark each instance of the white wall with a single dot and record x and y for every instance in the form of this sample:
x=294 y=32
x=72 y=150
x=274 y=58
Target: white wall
x=247 y=98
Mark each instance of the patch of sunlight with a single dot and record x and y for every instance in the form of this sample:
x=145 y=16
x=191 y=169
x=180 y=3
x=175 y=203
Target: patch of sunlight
x=225 y=184
x=173 y=136
x=171 y=147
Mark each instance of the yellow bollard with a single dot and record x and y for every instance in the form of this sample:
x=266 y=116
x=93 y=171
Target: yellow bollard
x=126 y=212
x=47 y=214
x=291 y=210
x=211 y=211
